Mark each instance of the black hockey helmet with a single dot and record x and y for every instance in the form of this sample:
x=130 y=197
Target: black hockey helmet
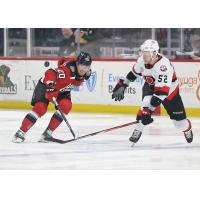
x=84 y=59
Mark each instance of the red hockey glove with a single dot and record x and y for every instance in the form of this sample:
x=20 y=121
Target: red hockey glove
x=118 y=92
x=144 y=115
x=50 y=93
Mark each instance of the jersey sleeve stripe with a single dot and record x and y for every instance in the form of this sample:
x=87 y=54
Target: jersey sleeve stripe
x=174 y=78
x=171 y=96
x=136 y=74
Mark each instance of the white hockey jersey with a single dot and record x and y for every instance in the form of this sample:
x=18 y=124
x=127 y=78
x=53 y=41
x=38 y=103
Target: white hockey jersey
x=161 y=76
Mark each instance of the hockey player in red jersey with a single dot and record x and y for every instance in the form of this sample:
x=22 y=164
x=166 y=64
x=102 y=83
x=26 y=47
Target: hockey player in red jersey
x=160 y=87
x=56 y=83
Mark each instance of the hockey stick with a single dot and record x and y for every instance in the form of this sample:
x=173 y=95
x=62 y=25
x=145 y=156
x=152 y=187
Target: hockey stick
x=92 y=134
x=63 y=116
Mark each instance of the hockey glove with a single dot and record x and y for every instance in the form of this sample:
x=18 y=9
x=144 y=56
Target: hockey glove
x=118 y=91
x=144 y=116
x=50 y=93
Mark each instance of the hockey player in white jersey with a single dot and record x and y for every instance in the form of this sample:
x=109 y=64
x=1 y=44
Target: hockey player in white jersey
x=160 y=87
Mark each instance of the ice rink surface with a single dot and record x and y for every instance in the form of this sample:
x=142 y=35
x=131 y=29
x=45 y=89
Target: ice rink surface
x=160 y=147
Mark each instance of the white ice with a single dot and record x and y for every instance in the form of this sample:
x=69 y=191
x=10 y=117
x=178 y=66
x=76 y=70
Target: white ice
x=160 y=147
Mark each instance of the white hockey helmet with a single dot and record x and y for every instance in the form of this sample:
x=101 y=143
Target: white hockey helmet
x=150 y=45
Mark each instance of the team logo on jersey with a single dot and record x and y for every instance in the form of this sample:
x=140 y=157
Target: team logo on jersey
x=6 y=85
x=149 y=80
x=91 y=82
x=163 y=68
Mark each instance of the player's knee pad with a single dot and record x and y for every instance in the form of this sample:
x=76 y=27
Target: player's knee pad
x=182 y=125
x=40 y=108
x=65 y=105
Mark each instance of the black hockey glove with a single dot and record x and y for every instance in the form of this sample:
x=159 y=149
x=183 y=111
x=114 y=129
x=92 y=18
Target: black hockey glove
x=144 y=115
x=118 y=91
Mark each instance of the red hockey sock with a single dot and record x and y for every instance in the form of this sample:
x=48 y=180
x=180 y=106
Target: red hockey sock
x=55 y=121
x=26 y=125
x=28 y=121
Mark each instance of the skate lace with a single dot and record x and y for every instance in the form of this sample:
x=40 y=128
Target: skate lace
x=188 y=134
x=47 y=133
x=136 y=134
x=20 y=134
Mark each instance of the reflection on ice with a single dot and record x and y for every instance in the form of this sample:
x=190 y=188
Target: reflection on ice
x=161 y=146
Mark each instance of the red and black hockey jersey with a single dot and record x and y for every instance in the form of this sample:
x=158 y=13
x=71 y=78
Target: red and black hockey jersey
x=64 y=78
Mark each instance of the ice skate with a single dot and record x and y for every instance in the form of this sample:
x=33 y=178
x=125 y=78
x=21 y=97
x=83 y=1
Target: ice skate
x=46 y=136
x=19 y=137
x=135 y=136
x=188 y=136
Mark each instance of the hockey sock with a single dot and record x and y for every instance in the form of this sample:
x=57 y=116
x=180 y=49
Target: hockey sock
x=183 y=125
x=29 y=121
x=139 y=126
x=55 y=121
x=189 y=126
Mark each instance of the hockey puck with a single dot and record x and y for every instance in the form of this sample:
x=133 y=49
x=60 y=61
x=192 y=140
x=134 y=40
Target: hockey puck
x=46 y=63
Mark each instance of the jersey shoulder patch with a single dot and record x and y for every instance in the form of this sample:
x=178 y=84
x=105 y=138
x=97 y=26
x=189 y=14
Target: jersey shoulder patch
x=162 y=66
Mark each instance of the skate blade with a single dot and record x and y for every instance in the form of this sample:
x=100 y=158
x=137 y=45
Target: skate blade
x=43 y=141
x=17 y=141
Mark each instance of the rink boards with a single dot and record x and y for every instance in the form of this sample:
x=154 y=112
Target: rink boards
x=94 y=95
